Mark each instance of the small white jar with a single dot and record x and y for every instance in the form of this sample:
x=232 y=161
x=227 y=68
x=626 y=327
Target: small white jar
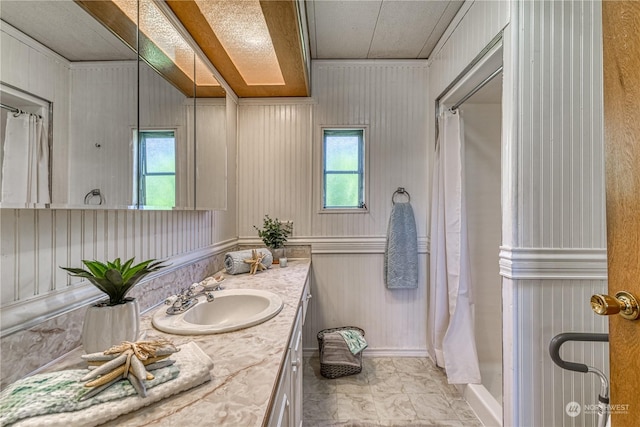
x=283 y=262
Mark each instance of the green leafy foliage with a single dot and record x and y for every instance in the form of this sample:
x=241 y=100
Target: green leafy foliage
x=115 y=278
x=274 y=233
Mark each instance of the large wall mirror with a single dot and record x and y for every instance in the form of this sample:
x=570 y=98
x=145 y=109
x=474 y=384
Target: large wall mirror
x=126 y=130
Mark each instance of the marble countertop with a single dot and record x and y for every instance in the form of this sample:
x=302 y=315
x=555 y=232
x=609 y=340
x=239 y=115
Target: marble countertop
x=246 y=362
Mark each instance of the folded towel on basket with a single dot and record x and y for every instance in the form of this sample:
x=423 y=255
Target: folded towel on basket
x=335 y=351
x=234 y=261
x=52 y=399
x=354 y=339
x=401 y=252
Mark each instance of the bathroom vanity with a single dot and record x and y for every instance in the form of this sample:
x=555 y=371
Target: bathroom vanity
x=257 y=375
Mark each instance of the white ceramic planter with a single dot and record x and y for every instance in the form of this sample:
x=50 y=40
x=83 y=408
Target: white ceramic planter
x=106 y=326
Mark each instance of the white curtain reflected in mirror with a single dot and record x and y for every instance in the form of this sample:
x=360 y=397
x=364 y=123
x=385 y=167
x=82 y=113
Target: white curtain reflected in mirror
x=25 y=149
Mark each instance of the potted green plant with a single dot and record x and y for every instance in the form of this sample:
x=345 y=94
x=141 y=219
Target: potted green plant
x=116 y=319
x=274 y=234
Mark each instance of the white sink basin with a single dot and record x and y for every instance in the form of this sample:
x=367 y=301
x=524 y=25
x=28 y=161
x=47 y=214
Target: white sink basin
x=231 y=310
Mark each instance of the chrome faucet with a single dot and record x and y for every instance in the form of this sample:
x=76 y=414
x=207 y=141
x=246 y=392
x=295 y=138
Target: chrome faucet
x=188 y=298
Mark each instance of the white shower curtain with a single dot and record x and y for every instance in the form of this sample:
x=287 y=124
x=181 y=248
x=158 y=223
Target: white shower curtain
x=25 y=165
x=451 y=332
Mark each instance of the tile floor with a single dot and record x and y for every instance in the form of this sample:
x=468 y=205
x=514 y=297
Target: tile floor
x=402 y=392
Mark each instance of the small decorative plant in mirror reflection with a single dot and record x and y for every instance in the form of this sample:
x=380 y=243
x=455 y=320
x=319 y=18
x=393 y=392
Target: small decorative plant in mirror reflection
x=115 y=278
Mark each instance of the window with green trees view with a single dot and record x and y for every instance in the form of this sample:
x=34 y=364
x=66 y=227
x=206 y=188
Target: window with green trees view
x=157 y=168
x=343 y=168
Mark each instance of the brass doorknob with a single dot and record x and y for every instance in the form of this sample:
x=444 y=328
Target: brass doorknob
x=624 y=303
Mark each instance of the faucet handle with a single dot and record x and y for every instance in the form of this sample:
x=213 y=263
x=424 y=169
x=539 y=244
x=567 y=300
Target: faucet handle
x=172 y=299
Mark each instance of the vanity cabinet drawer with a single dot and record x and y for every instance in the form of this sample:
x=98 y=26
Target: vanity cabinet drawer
x=281 y=410
x=287 y=406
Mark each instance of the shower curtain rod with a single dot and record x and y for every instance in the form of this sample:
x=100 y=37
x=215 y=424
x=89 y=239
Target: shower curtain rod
x=476 y=89
x=17 y=110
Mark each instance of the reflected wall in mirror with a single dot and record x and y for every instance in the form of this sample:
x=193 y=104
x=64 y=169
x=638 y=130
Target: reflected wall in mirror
x=102 y=92
x=210 y=147
x=25 y=138
x=55 y=50
x=190 y=136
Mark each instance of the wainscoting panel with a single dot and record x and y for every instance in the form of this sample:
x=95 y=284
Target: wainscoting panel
x=547 y=308
x=348 y=290
x=36 y=242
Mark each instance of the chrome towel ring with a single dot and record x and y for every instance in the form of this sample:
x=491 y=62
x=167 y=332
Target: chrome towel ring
x=400 y=190
x=91 y=194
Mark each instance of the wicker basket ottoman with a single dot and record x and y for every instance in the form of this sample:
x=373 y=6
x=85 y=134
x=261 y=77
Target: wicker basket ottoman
x=332 y=370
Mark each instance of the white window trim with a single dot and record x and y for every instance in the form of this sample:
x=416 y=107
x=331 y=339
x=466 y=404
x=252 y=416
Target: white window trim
x=365 y=179
x=136 y=170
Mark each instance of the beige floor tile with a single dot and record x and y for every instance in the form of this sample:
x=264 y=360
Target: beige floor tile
x=409 y=364
x=378 y=366
x=319 y=406
x=313 y=384
x=389 y=392
x=419 y=383
x=391 y=383
x=353 y=384
x=432 y=407
x=395 y=407
x=356 y=407
x=463 y=410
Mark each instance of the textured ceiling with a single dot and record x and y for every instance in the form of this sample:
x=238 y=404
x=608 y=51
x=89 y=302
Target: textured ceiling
x=337 y=29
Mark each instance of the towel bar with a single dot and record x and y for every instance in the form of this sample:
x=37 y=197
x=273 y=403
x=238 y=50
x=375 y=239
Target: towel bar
x=400 y=190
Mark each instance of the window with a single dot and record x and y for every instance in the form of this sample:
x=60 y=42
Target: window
x=157 y=168
x=343 y=163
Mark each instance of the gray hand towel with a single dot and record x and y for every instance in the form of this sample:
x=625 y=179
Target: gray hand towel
x=335 y=351
x=234 y=261
x=401 y=252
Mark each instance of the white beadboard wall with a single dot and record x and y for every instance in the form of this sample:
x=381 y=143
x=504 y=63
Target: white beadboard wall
x=48 y=77
x=545 y=309
x=475 y=25
x=561 y=203
x=34 y=243
x=274 y=164
x=552 y=146
x=279 y=168
x=389 y=97
x=348 y=290
x=560 y=125
x=103 y=111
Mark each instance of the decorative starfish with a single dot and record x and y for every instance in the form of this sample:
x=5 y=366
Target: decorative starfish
x=256 y=262
x=130 y=360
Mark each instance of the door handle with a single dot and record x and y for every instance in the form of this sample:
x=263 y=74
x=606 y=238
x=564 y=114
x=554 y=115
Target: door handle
x=624 y=303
